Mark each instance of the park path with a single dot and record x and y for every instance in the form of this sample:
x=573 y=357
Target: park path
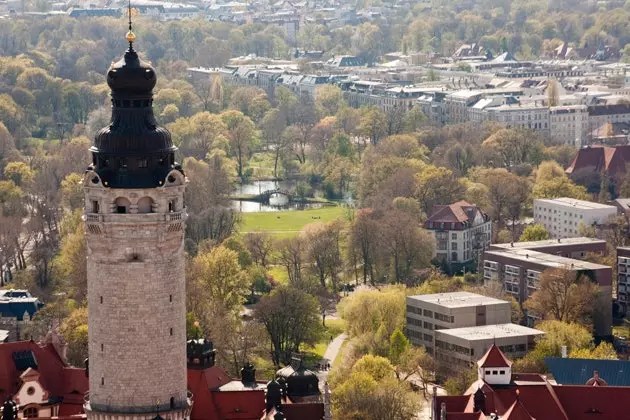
x=331 y=354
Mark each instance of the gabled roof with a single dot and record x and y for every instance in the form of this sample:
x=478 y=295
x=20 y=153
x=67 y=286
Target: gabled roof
x=494 y=357
x=462 y=211
x=517 y=412
x=59 y=379
x=601 y=158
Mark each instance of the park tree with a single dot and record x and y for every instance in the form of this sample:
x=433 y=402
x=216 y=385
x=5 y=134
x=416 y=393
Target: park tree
x=372 y=316
x=291 y=318
x=242 y=98
x=373 y=124
x=74 y=330
x=260 y=246
x=70 y=264
x=551 y=182
x=273 y=126
x=328 y=99
x=371 y=392
x=414 y=120
x=363 y=240
x=410 y=247
x=514 y=146
x=72 y=195
x=603 y=351
x=218 y=280
x=207 y=198
x=291 y=254
x=323 y=250
x=437 y=185
x=563 y=295
x=553 y=93
x=535 y=232
x=241 y=134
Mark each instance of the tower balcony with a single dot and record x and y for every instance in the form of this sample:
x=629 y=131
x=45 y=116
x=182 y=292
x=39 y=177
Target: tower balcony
x=135 y=218
x=159 y=407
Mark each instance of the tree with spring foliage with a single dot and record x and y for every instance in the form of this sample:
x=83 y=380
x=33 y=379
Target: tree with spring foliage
x=291 y=318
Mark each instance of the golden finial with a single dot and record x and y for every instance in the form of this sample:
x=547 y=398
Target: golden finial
x=131 y=37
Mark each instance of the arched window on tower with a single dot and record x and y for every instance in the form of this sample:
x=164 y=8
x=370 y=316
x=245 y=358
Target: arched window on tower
x=145 y=205
x=122 y=205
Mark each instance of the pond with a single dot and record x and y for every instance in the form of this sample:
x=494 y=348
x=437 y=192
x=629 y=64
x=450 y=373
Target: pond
x=277 y=202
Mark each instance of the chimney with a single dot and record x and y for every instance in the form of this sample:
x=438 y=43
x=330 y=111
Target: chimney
x=564 y=352
x=248 y=374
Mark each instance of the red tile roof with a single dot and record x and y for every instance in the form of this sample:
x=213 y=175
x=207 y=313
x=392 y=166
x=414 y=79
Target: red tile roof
x=517 y=411
x=462 y=211
x=494 y=357
x=56 y=377
x=598 y=159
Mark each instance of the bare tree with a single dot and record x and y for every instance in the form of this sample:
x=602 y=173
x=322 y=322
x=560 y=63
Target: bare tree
x=260 y=246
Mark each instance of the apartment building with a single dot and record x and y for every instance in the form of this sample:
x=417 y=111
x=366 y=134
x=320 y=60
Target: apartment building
x=569 y=124
x=563 y=216
x=428 y=313
x=623 y=277
x=534 y=116
x=17 y=309
x=461 y=230
x=519 y=270
x=461 y=347
x=599 y=115
x=457 y=104
x=576 y=248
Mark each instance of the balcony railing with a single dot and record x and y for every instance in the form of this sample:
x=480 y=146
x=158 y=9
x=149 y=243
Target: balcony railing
x=134 y=217
x=132 y=408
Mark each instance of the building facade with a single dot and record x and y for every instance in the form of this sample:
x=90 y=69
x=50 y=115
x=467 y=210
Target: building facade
x=562 y=217
x=461 y=347
x=17 y=309
x=519 y=271
x=428 y=313
x=461 y=230
x=623 y=277
x=134 y=214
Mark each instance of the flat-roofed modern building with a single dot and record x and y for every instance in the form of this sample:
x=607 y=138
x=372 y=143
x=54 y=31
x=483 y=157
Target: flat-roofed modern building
x=563 y=216
x=568 y=247
x=519 y=270
x=428 y=313
x=463 y=346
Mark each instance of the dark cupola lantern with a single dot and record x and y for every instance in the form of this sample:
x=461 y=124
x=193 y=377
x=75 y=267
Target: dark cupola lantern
x=132 y=151
x=10 y=410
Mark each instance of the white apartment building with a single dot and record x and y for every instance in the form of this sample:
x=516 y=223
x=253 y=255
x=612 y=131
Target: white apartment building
x=427 y=314
x=563 y=216
x=457 y=104
x=569 y=124
x=462 y=230
x=535 y=116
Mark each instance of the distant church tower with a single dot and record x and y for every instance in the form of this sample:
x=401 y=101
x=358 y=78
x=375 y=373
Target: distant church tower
x=135 y=216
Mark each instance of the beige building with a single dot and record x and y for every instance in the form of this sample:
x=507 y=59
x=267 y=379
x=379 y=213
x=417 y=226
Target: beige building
x=463 y=346
x=428 y=313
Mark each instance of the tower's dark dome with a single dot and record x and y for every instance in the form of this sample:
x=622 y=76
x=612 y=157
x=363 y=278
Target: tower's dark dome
x=132 y=151
x=131 y=75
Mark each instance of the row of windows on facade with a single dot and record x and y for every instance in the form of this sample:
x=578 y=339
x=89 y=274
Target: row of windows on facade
x=125 y=163
x=419 y=336
x=569 y=222
x=555 y=211
x=452 y=226
x=430 y=314
x=122 y=205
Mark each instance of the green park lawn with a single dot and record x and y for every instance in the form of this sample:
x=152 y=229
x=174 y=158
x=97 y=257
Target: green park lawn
x=288 y=223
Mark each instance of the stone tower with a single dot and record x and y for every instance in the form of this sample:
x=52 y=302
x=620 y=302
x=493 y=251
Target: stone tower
x=135 y=216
